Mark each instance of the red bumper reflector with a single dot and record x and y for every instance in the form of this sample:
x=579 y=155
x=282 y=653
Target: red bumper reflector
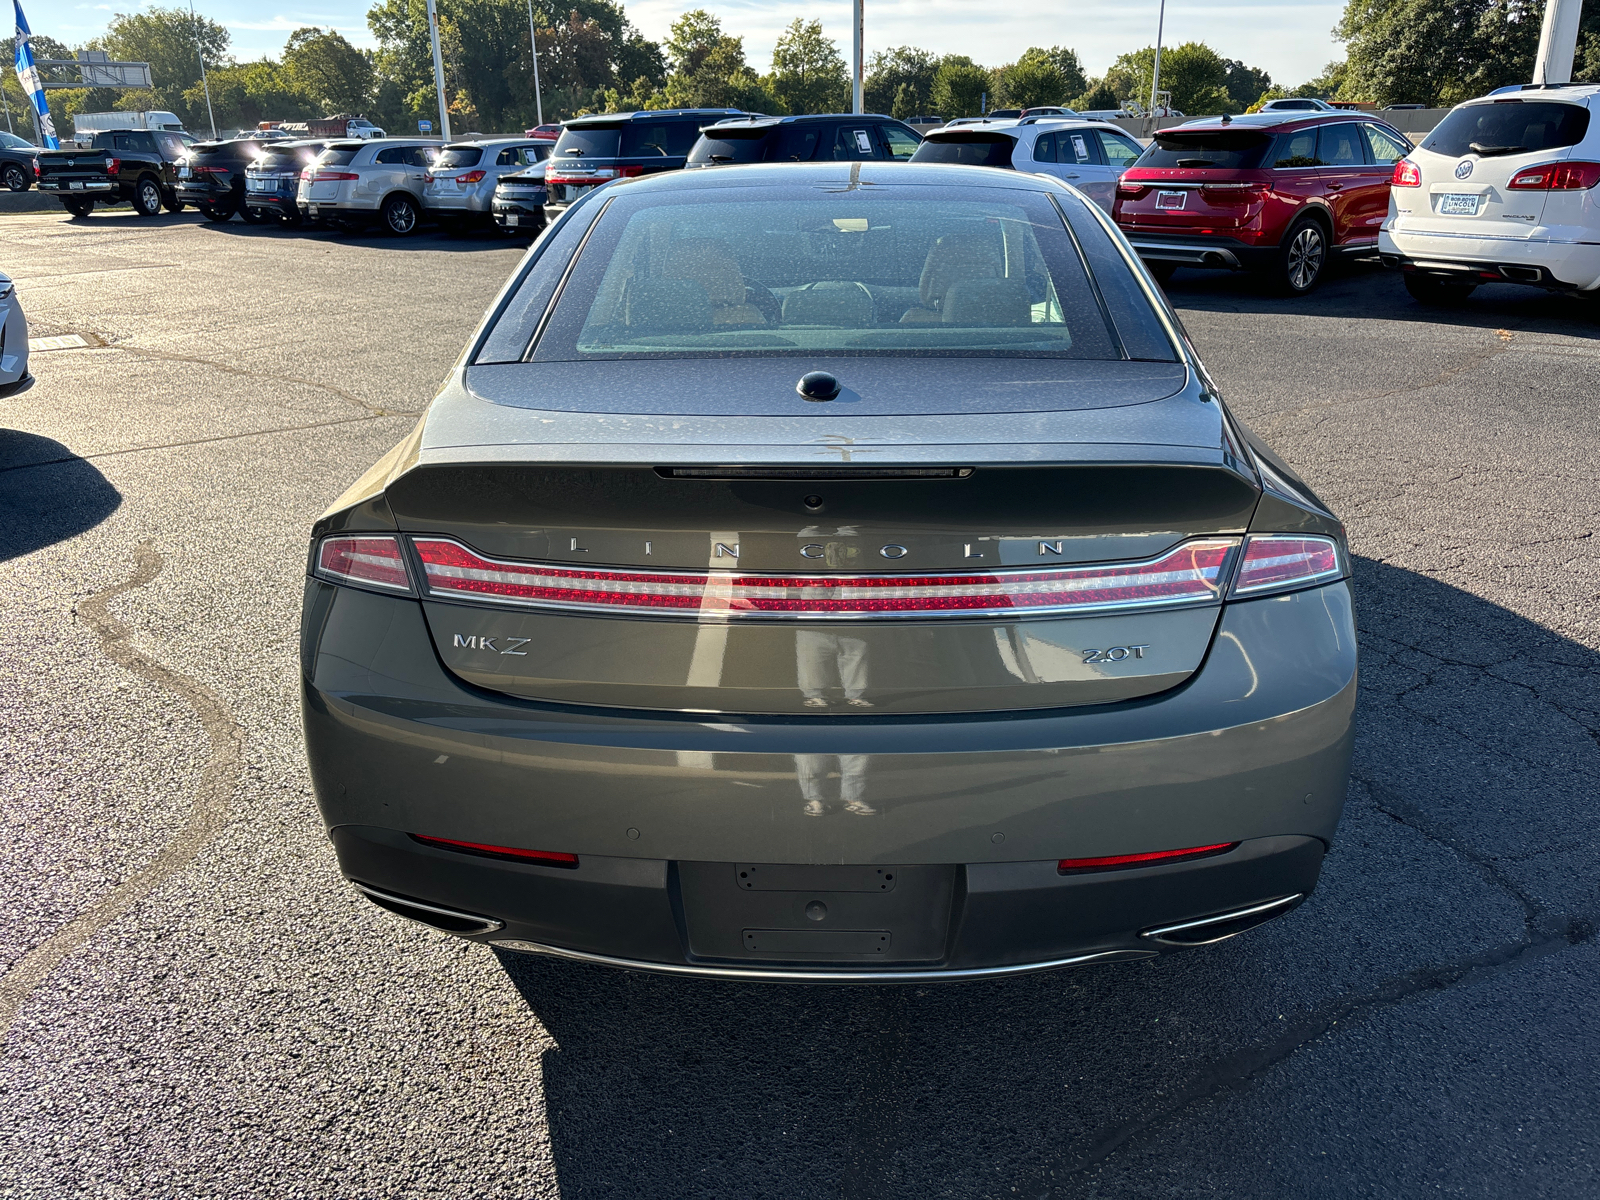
x=1194 y=572
x=544 y=858
x=364 y=560
x=1120 y=862
x=1278 y=561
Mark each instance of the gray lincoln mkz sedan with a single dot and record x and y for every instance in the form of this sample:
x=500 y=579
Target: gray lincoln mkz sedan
x=831 y=572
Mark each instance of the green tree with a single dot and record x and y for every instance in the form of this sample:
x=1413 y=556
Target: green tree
x=1245 y=84
x=958 y=87
x=1065 y=60
x=170 y=40
x=692 y=37
x=1194 y=73
x=1098 y=98
x=1327 y=85
x=1032 y=80
x=808 y=72
x=329 y=70
x=1439 y=52
x=709 y=69
x=245 y=94
x=900 y=78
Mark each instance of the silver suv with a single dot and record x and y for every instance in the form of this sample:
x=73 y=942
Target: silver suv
x=360 y=183
x=461 y=181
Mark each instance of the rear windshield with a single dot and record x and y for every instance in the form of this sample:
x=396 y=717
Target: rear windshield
x=672 y=139
x=969 y=149
x=1509 y=127
x=288 y=156
x=781 y=143
x=927 y=272
x=459 y=156
x=588 y=141
x=245 y=150
x=1231 y=150
x=339 y=156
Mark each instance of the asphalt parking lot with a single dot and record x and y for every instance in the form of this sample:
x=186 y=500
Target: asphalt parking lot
x=196 y=1005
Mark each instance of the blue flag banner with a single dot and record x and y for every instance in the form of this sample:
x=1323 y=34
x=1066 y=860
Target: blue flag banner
x=29 y=74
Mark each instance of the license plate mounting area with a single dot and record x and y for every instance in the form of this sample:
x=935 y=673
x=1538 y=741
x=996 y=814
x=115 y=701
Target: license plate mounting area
x=1458 y=204
x=816 y=914
x=1172 y=200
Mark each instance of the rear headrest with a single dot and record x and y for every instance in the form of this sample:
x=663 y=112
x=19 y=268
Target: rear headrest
x=955 y=257
x=987 y=302
x=711 y=264
x=667 y=306
x=840 y=304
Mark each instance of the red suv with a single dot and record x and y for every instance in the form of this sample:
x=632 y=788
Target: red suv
x=1268 y=193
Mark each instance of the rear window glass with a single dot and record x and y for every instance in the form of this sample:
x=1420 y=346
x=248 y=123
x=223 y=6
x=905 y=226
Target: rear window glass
x=1513 y=127
x=968 y=149
x=289 y=156
x=588 y=141
x=671 y=139
x=783 y=143
x=246 y=150
x=1228 y=150
x=459 y=156
x=934 y=272
x=338 y=156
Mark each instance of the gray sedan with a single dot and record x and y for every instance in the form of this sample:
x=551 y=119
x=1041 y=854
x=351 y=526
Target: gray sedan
x=461 y=182
x=831 y=573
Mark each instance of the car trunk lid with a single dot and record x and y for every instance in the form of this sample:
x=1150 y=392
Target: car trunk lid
x=797 y=589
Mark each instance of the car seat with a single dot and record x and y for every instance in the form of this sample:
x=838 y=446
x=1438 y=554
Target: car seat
x=710 y=263
x=952 y=259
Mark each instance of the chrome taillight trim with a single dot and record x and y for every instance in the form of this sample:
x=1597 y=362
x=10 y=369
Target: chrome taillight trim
x=716 y=590
x=344 y=579
x=1250 y=592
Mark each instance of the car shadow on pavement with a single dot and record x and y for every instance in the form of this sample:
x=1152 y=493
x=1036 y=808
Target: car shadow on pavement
x=1364 y=290
x=1456 y=859
x=426 y=238
x=47 y=494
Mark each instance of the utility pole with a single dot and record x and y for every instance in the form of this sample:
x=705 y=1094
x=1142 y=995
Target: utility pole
x=1558 y=42
x=7 y=103
x=1155 y=75
x=194 y=23
x=533 y=41
x=438 y=71
x=855 y=74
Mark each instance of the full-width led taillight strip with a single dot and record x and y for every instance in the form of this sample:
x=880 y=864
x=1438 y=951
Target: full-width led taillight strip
x=1194 y=572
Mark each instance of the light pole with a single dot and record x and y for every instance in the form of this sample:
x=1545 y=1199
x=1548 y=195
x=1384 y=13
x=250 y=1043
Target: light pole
x=438 y=71
x=1558 y=42
x=194 y=23
x=533 y=41
x=855 y=74
x=1155 y=75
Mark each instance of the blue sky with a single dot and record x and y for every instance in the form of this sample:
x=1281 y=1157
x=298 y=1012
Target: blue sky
x=1290 y=38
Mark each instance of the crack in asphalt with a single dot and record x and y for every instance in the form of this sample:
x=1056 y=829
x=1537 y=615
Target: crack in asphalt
x=224 y=437
x=251 y=373
x=208 y=810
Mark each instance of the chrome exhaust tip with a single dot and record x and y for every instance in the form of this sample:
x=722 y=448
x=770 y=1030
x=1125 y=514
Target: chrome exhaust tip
x=448 y=919
x=1204 y=931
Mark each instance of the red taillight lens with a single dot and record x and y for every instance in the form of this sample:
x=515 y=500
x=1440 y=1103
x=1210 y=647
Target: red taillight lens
x=1279 y=561
x=1406 y=174
x=470 y=177
x=1132 y=191
x=213 y=170
x=1191 y=573
x=306 y=173
x=324 y=176
x=543 y=858
x=629 y=172
x=1556 y=177
x=1121 y=862
x=366 y=560
x=113 y=165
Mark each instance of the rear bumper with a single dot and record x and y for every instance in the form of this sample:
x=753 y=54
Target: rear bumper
x=1254 y=749
x=1005 y=918
x=1195 y=250
x=277 y=201
x=65 y=188
x=460 y=202
x=1541 y=262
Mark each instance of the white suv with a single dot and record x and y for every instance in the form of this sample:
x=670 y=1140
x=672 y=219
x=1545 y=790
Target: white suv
x=359 y=183
x=1502 y=190
x=1090 y=155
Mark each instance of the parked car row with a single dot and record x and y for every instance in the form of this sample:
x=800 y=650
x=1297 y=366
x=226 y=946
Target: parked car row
x=1502 y=190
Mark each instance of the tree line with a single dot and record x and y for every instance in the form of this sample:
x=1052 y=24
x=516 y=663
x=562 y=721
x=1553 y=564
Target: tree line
x=592 y=59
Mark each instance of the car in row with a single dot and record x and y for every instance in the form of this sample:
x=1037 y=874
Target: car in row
x=1090 y=155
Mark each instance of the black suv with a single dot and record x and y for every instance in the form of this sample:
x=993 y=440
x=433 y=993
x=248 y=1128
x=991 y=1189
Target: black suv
x=816 y=137
x=595 y=150
x=212 y=179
